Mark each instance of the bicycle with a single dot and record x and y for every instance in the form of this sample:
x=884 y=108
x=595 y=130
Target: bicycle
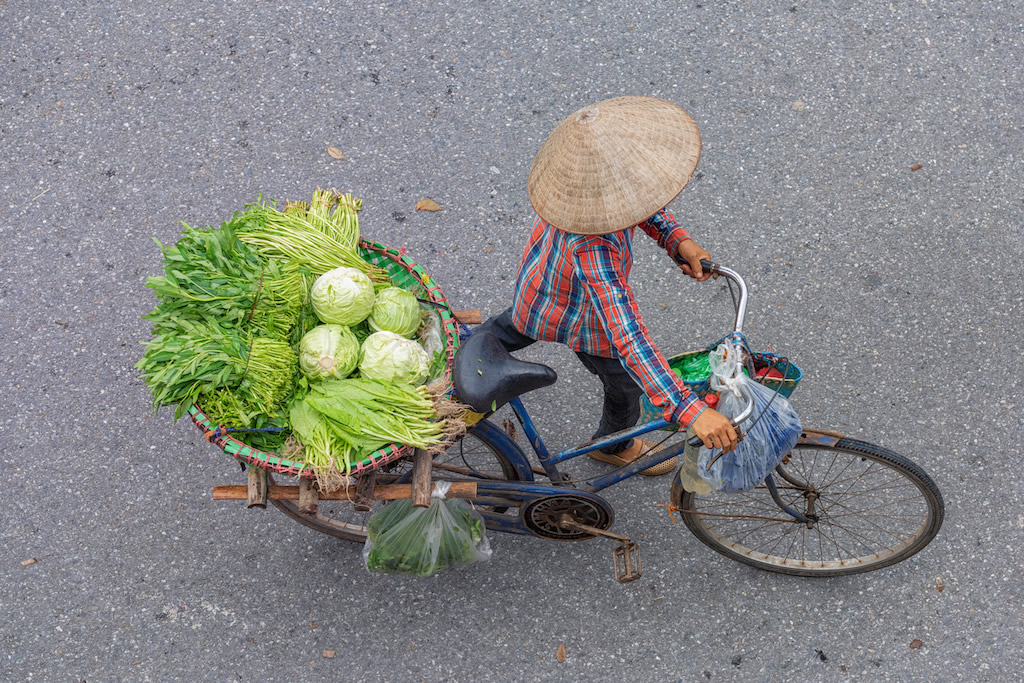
x=833 y=506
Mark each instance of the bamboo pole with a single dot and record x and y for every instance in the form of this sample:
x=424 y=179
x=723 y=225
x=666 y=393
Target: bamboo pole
x=459 y=489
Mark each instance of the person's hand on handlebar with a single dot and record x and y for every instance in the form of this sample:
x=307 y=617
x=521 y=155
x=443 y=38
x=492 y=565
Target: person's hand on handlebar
x=692 y=253
x=715 y=430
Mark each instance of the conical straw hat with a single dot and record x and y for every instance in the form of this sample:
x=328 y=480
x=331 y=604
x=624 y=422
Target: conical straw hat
x=613 y=164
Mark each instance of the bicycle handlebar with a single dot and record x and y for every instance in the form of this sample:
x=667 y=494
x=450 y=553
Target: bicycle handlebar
x=741 y=311
x=717 y=270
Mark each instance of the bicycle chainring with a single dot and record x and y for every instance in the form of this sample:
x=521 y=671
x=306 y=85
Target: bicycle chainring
x=546 y=516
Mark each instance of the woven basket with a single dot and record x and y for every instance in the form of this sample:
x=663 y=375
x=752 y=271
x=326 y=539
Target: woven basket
x=403 y=273
x=649 y=412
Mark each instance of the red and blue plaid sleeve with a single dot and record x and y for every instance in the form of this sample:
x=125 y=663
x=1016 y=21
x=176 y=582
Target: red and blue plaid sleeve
x=662 y=226
x=597 y=263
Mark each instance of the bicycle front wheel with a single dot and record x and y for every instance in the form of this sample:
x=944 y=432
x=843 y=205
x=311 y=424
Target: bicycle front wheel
x=867 y=508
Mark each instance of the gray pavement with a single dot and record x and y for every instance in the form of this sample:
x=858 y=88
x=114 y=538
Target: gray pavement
x=896 y=290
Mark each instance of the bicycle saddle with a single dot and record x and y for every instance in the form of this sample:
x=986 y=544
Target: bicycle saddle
x=486 y=376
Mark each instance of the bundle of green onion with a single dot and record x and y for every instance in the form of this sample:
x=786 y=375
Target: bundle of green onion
x=341 y=420
x=311 y=235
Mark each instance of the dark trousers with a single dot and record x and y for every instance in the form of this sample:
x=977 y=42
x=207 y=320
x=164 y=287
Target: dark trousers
x=622 y=395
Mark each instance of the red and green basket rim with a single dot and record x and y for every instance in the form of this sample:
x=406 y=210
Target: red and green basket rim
x=216 y=435
x=757 y=357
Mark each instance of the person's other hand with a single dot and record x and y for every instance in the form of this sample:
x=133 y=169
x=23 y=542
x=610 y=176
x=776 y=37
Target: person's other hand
x=692 y=253
x=715 y=430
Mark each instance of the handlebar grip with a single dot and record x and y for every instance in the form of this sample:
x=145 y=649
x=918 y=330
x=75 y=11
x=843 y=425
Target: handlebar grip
x=708 y=266
x=696 y=441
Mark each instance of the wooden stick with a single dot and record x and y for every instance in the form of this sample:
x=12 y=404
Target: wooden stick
x=363 y=500
x=459 y=489
x=469 y=317
x=257 y=488
x=309 y=496
x=421 y=478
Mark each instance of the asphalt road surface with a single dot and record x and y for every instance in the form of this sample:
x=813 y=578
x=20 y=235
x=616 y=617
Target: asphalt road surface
x=862 y=167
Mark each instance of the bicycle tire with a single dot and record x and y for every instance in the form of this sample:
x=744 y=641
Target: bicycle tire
x=341 y=520
x=735 y=535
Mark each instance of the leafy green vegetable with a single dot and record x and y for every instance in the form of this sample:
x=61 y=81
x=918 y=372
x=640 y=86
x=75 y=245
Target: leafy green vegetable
x=202 y=360
x=328 y=351
x=343 y=296
x=402 y=539
x=211 y=274
x=389 y=357
x=341 y=421
x=438 y=365
x=361 y=331
x=221 y=329
x=395 y=310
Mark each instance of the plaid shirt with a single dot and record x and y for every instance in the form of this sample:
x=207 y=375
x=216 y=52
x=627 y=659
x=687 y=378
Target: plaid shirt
x=572 y=289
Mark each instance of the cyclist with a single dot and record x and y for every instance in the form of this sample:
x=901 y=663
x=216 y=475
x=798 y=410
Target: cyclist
x=604 y=171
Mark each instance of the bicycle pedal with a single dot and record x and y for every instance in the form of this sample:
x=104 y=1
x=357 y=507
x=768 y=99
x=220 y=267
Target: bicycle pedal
x=626 y=561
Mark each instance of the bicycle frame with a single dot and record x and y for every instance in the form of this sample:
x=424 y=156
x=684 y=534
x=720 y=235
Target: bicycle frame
x=494 y=493
x=550 y=461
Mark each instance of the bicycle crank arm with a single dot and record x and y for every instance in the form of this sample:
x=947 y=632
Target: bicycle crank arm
x=566 y=521
x=626 y=561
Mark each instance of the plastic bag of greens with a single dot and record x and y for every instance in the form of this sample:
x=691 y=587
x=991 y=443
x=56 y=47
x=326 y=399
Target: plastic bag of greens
x=769 y=433
x=403 y=539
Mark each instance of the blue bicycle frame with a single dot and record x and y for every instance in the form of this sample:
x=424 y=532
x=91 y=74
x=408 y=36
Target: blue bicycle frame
x=550 y=461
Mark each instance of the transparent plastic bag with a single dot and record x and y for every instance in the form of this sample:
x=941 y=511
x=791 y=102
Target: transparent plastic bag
x=430 y=331
x=689 y=476
x=768 y=434
x=403 y=539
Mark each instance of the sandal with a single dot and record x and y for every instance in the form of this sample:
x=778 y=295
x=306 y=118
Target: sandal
x=648 y=446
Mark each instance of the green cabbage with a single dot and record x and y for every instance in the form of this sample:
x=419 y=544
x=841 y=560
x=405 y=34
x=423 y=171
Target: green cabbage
x=395 y=310
x=388 y=357
x=328 y=351
x=343 y=296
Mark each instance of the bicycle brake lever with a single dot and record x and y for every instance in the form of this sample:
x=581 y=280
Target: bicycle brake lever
x=696 y=441
x=747 y=411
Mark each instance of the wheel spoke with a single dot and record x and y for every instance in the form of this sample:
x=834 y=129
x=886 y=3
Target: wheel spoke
x=869 y=521
x=827 y=530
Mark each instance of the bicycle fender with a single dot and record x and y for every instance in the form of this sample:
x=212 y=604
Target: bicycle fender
x=819 y=437
x=488 y=431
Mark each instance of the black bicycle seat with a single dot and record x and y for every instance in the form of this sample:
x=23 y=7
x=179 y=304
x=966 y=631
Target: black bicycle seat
x=486 y=376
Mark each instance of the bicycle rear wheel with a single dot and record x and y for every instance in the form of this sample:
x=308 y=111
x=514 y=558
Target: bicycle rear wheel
x=868 y=508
